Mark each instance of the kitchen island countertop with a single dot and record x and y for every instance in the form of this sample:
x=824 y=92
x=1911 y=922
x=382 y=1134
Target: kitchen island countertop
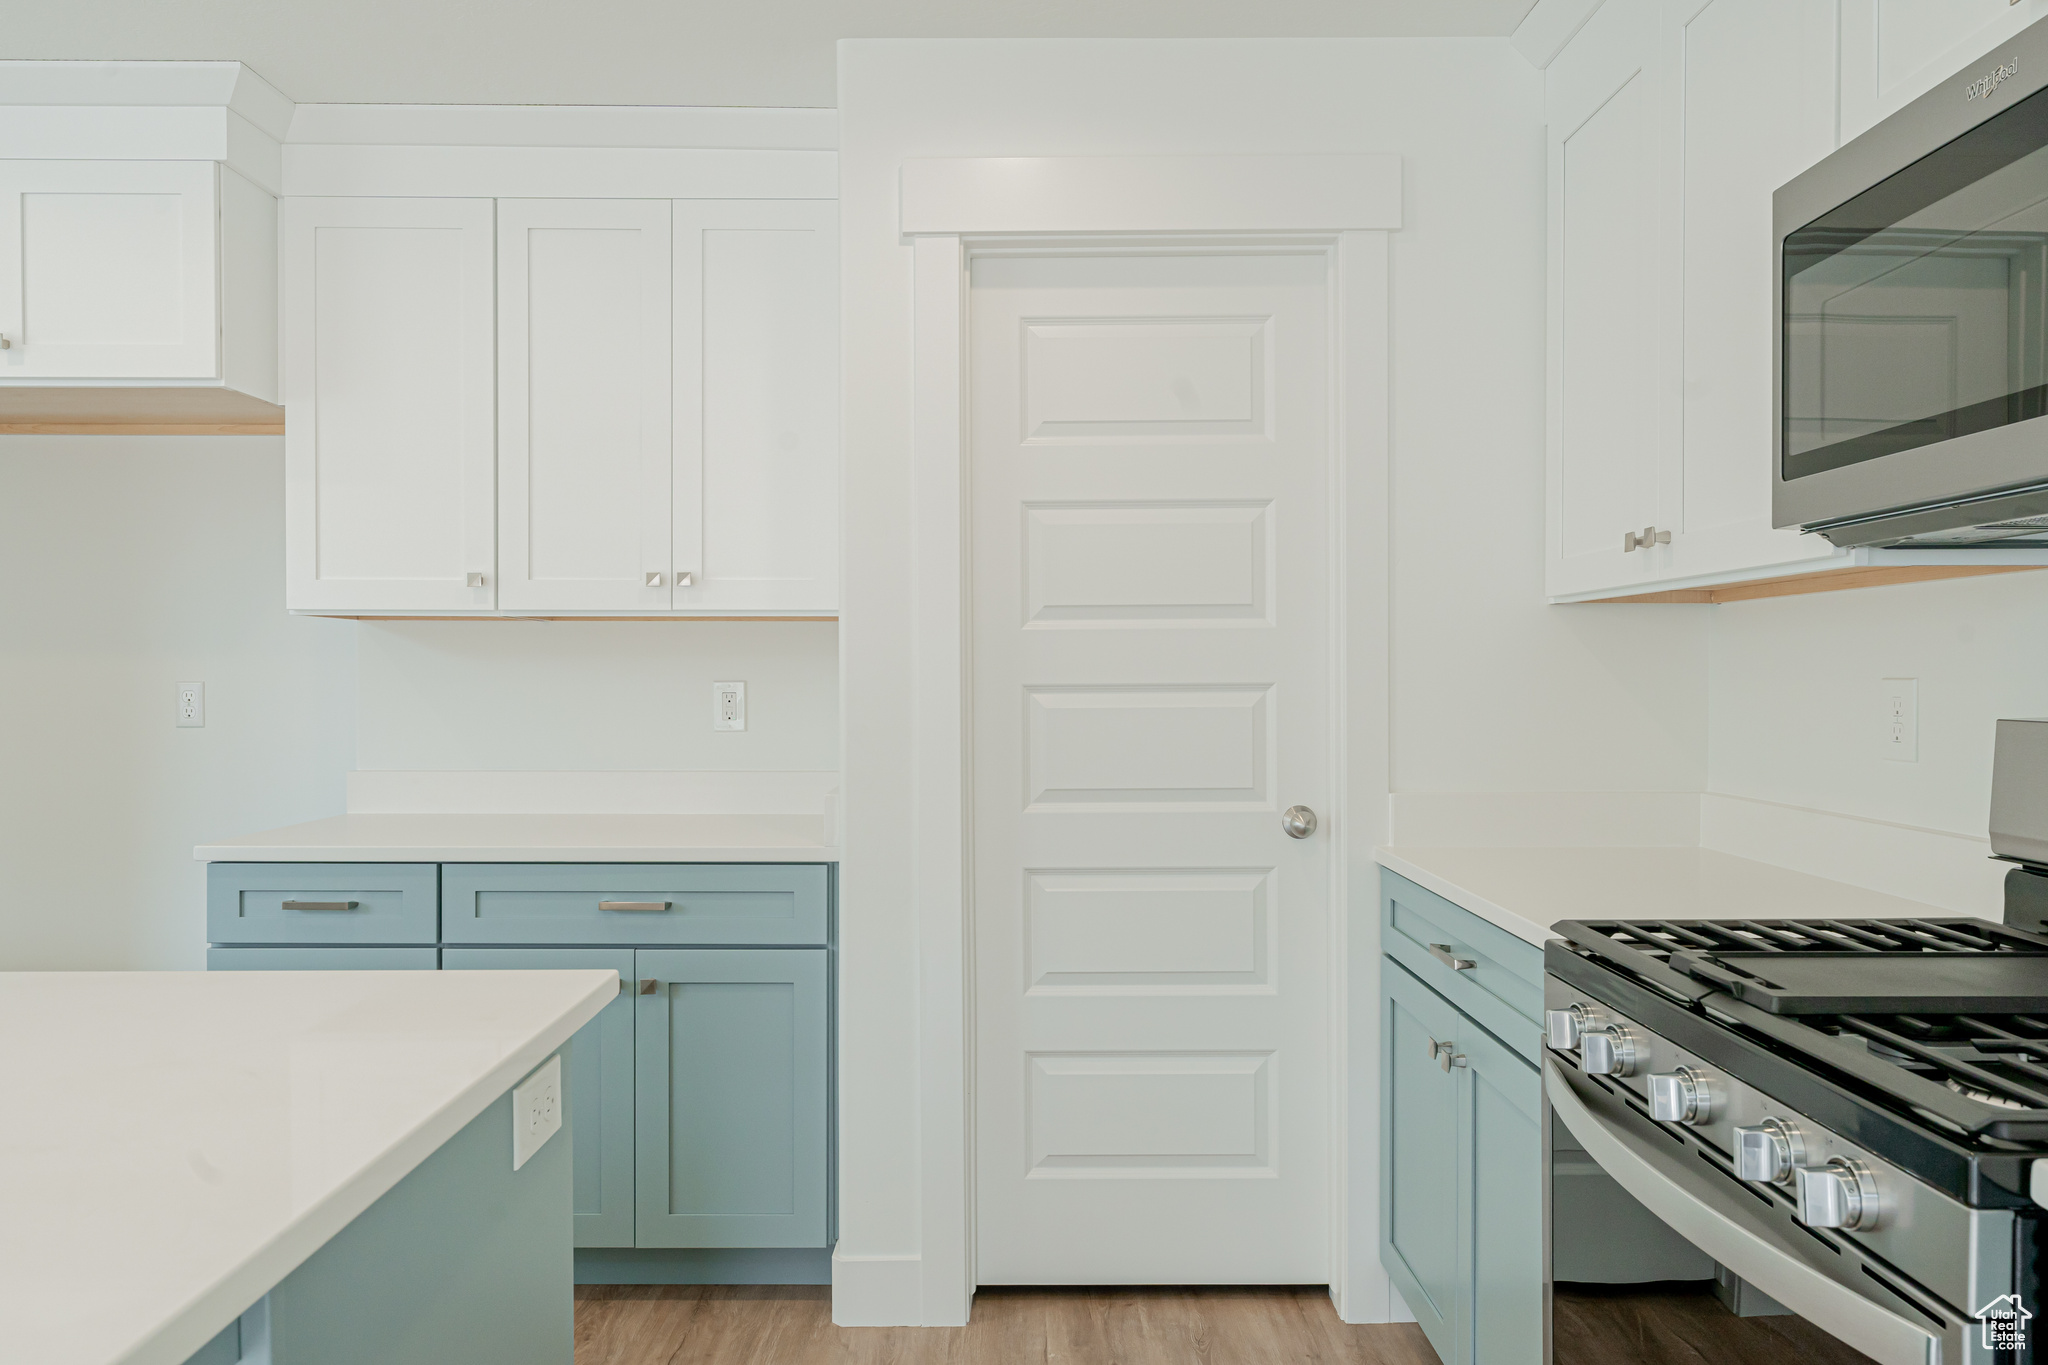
x=182 y=1141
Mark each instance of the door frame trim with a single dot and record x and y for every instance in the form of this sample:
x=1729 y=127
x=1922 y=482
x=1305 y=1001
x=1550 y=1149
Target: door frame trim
x=1200 y=216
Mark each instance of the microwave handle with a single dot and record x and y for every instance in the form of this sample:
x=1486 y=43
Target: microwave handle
x=1665 y=1188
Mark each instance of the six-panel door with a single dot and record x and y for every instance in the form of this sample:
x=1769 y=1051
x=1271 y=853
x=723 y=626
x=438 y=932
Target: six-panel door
x=109 y=270
x=1419 y=1171
x=731 y=1055
x=600 y=1086
x=389 y=377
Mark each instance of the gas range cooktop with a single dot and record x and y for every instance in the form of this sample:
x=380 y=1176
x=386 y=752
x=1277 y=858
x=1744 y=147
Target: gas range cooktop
x=1944 y=1020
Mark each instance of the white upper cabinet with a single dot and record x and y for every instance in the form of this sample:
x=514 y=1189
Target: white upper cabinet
x=108 y=270
x=1894 y=51
x=584 y=401
x=1611 y=204
x=756 y=474
x=1759 y=108
x=389 y=447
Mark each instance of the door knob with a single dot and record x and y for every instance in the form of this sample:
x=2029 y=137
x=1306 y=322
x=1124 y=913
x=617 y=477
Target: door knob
x=1298 y=821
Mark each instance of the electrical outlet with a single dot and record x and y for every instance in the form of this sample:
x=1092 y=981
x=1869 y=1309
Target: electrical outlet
x=536 y=1110
x=1899 y=719
x=728 y=706
x=191 y=704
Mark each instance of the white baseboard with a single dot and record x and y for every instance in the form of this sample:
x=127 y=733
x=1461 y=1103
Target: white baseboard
x=877 y=1291
x=595 y=793
x=1952 y=871
x=1545 y=819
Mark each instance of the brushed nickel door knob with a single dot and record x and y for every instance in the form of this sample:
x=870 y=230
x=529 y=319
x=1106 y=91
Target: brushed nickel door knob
x=1298 y=821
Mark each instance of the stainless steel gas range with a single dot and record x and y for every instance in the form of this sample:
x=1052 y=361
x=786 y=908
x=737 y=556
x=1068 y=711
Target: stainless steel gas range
x=1846 y=1114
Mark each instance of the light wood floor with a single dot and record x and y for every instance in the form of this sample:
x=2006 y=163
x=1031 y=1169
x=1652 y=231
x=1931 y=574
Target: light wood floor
x=1679 y=1325
x=792 y=1325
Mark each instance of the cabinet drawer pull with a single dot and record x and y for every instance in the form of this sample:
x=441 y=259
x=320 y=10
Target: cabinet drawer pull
x=320 y=905
x=1442 y=953
x=632 y=905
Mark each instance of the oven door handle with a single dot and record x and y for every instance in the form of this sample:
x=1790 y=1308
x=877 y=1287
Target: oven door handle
x=1666 y=1188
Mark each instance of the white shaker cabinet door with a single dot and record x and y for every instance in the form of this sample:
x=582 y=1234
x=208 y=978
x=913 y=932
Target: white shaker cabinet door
x=108 y=270
x=389 y=395
x=1613 y=247
x=583 y=405
x=757 y=405
x=1759 y=109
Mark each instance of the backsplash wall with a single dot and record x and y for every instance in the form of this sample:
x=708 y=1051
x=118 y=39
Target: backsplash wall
x=1795 y=715
x=497 y=696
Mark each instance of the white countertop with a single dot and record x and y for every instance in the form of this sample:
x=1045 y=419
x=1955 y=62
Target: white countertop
x=178 y=1142
x=534 y=839
x=1527 y=890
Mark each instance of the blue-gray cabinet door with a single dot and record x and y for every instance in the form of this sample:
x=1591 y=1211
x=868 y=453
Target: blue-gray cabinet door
x=600 y=1086
x=1500 y=1204
x=1419 y=1171
x=731 y=1056
x=322 y=959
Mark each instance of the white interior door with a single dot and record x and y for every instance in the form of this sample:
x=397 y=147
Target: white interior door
x=583 y=405
x=757 y=405
x=108 y=270
x=1151 y=488
x=390 y=389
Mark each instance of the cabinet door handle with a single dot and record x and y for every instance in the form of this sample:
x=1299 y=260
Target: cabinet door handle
x=1442 y=953
x=649 y=986
x=1452 y=1059
x=1632 y=541
x=632 y=905
x=475 y=580
x=6 y=344
x=320 y=905
x=654 y=580
x=686 y=580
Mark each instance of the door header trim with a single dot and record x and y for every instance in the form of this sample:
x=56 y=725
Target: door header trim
x=1079 y=194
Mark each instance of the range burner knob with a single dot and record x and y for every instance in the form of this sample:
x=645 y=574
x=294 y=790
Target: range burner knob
x=1681 y=1096
x=1607 y=1051
x=1841 y=1194
x=1769 y=1153
x=1561 y=1028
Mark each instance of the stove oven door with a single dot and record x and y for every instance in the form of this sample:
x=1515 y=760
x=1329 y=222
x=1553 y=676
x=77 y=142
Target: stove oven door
x=1699 y=1204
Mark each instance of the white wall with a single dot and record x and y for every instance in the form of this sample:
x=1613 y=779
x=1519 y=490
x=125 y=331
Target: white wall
x=127 y=565
x=1796 y=718
x=594 y=696
x=1491 y=691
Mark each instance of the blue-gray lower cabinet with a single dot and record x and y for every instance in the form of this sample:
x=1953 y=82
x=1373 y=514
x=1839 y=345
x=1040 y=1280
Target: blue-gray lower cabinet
x=600 y=1086
x=733 y=1122
x=1461 y=1140
x=322 y=959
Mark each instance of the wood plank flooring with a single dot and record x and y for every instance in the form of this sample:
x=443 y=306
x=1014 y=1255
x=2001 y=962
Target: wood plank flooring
x=792 y=1325
x=1679 y=1325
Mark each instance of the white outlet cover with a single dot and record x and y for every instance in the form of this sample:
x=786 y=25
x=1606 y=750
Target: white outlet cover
x=536 y=1110
x=191 y=706
x=728 y=706
x=1898 y=733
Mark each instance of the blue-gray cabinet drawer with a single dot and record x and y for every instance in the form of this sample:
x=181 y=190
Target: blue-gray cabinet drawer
x=322 y=959
x=634 y=903
x=1490 y=974
x=324 y=903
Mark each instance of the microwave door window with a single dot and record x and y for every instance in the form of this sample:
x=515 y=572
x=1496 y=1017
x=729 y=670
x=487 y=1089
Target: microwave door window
x=1916 y=312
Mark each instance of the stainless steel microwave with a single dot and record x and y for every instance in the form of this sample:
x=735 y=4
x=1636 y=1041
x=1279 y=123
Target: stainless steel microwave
x=1911 y=345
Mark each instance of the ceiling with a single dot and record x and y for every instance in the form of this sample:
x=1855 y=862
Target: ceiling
x=707 y=52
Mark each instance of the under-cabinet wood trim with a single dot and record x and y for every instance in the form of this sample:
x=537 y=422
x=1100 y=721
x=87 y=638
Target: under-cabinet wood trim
x=1825 y=580
x=531 y=616
x=141 y=428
